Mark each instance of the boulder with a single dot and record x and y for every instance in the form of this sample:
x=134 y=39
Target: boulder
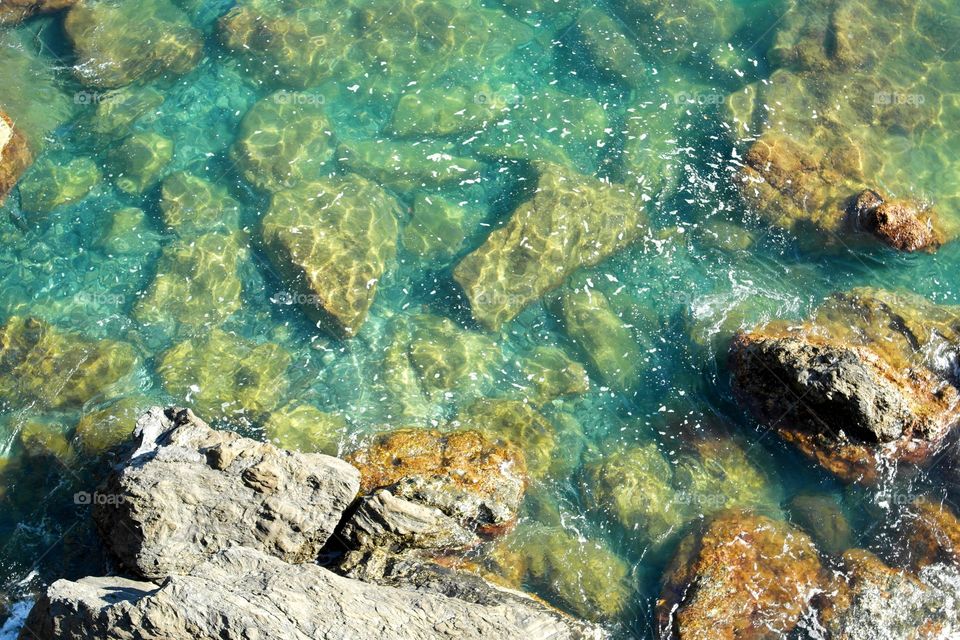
x=570 y=221
x=245 y=593
x=332 y=240
x=405 y=166
x=139 y=161
x=49 y=184
x=15 y=155
x=468 y=476
x=117 y=42
x=745 y=577
x=932 y=533
x=14 y=11
x=187 y=492
x=869 y=377
x=192 y=205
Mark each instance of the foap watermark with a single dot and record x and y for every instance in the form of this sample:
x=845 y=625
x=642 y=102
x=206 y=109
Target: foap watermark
x=298 y=98
x=98 y=298
x=93 y=98
x=498 y=99
x=889 y=98
x=703 y=98
x=85 y=498
x=288 y=298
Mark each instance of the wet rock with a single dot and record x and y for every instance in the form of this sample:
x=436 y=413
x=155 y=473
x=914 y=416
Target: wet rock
x=138 y=162
x=192 y=205
x=868 y=377
x=552 y=373
x=117 y=110
x=117 y=42
x=932 y=533
x=475 y=480
x=821 y=517
x=49 y=184
x=332 y=240
x=610 y=47
x=746 y=576
x=15 y=155
x=36 y=357
x=407 y=166
x=243 y=592
x=548 y=237
x=126 y=232
x=871 y=600
x=14 y=11
x=304 y=428
x=899 y=223
x=225 y=376
x=579 y=575
x=284 y=142
x=196 y=284
x=108 y=427
x=605 y=339
x=187 y=492
x=45 y=439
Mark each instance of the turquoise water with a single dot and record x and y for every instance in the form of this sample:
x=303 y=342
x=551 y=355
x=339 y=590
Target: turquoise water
x=649 y=111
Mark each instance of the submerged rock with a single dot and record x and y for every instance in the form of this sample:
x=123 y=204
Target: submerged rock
x=476 y=480
x=117 y=110
x=332 y=240
x=611 y=48
x=404 y=166
x=746 y=576
x=225 y=376
x=304 y=428
x=552 y=373
x=14 y=11
x=126 y=232
x=196 y=284
x=932 y=533
x=187 y=492
x=15 y=155
x=108 y=427
x=138 y=162
x=284 y=142
x=42 y=366
x=602 y=336
x=821 y=517
x=869 y=377
x=119 y=42
x=192 y=205
x=571 y=221
x=242 y=592
x=49 y=184
x=436 y=229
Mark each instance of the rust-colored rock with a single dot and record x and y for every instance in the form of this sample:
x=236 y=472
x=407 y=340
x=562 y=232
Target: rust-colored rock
x=933 y=533
x=900 y=223
x=15 y=155
x=467 y=475
x=860 y=382
x=746 y=577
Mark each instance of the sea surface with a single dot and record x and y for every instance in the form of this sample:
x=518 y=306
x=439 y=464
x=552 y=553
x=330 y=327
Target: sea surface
x=631 y=93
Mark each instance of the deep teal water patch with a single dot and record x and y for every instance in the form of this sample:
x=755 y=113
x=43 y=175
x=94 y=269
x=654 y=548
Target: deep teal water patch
x=642 y=105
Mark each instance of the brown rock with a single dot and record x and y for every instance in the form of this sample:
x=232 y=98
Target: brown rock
x=933 y=533
x=900 y=223
x=476 y=480
x=13 y=11
x=746 y=577
x=15 y=155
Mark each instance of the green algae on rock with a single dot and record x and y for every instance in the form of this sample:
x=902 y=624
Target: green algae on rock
x=42 y=366
x=552 y=373
x=605 y=339
x=476 y=480
x=445 y=110
x=103 y=429
x=571 y=221
x=15 y=155
x=610 y=47
x=117 y=110
x=867 y=369
x=225 y=376
x=437 y=228
x=196 y=285
x=192 y=205
x=332 y=240
x=448 y=358
x=821 y=517
x=406 y=166
x=45 y=439
x=582 y=576
x=50 y=184
x=745 y=577
x=139 y=161
x=14 y=11
x=283 y=142
x=126 y=232
x=305 y=428
x=118 y=42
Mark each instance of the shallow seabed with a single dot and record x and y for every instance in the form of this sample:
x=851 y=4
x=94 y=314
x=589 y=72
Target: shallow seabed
x=140 y=223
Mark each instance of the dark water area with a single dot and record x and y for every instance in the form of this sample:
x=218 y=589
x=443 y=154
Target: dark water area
x=166 y=133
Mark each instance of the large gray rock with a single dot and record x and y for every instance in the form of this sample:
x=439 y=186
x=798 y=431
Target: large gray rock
x=242 y=593
x=188 y=491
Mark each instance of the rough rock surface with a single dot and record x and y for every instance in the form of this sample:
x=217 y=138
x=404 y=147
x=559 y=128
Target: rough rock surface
x=746 y=577
x=475 y=480
x=243 y=593
x=188 y=491
x=15 y=155
x=571 y=221
x=13 y=11
x=332 y=240
x=871 y=375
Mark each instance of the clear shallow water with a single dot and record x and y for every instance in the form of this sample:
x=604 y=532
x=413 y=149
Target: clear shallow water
x=651 y=117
